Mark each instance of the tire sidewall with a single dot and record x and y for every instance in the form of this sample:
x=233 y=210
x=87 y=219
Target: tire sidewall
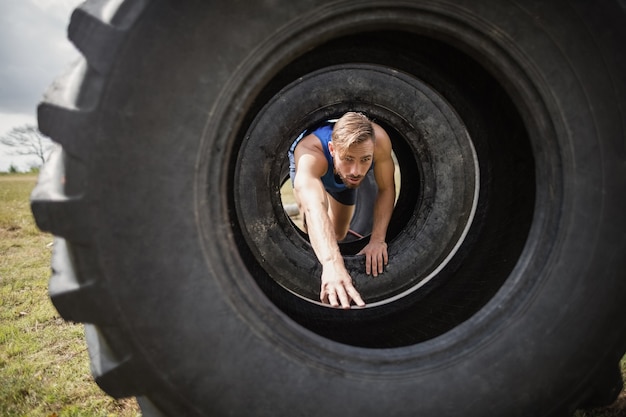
x=527 y=323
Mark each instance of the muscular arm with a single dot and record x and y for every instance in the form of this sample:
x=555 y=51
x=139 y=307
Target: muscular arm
x=312 y=199
x=376 y=250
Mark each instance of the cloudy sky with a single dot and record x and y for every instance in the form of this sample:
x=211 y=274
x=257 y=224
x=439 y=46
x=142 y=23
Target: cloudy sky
x=34 y=50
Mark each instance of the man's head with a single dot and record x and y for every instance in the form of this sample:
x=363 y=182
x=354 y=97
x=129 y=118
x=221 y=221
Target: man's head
x=352 y=128
x=352 y=147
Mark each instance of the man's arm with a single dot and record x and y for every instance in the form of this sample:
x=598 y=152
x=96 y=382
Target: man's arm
x=375 y=252
x=312 y=199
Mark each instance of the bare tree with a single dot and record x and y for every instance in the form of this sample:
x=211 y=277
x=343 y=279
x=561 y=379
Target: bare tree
x=27 y=140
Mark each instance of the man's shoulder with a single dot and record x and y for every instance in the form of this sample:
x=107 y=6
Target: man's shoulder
x=311 y=145
x=379 y=132
x=310 y=156
x=383 y=142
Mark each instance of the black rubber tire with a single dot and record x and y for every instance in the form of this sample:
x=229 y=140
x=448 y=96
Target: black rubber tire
x=155 y=254
x=440 y=182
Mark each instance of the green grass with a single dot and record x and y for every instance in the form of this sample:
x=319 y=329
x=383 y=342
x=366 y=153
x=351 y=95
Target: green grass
x=44 y=365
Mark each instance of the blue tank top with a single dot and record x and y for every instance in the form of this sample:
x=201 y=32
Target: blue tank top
x=324 y=134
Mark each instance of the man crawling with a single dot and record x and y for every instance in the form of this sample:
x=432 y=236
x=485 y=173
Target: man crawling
x=327 y=166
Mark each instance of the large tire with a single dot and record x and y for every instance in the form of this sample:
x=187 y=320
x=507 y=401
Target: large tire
x=505 y=291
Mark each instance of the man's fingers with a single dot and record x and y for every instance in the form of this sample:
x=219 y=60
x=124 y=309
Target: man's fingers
x=373 y=261
x=325 y=296
x=355 y=296
x=343 y=297
x=332 y=299
x=381 y=260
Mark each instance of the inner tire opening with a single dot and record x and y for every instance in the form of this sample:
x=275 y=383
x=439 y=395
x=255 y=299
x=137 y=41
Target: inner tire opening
x=503 y=213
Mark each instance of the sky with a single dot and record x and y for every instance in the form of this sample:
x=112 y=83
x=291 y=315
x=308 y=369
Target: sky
x=34 y=50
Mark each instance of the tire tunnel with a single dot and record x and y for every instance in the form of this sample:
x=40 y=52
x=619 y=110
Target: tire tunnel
x=197 y=290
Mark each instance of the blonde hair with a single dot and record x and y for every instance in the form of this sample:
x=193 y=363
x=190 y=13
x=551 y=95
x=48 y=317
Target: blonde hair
x=352 y=128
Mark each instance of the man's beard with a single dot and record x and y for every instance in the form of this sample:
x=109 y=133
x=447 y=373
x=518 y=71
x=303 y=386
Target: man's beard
x=346 y=180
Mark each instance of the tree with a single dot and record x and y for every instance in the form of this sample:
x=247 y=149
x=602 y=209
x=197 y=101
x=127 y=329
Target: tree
x=28 y=140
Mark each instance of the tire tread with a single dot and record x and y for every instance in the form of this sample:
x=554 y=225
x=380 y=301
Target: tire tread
x=98 y=29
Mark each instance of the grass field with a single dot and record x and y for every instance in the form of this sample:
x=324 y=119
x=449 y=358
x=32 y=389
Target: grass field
x=44 y=365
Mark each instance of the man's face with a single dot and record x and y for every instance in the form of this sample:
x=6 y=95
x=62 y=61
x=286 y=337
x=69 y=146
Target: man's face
x=353 y=163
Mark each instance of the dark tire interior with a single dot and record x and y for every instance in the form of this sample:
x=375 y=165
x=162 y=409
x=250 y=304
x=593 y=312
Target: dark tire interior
x=504 y=209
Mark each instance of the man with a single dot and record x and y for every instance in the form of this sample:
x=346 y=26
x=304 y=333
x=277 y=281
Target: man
x=327 y=166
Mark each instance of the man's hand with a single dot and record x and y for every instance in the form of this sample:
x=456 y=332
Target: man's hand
x=375 y=257
x=337 y=288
